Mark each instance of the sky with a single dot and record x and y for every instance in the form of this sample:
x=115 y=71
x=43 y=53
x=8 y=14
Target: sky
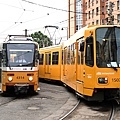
x=33 y=15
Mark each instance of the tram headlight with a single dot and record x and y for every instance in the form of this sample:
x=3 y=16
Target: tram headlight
x=103 y=80
x=30 y=78
x=10 y=78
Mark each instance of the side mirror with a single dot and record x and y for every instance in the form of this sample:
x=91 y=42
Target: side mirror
x=81 y=47
x=1 y=55
x=37 y=54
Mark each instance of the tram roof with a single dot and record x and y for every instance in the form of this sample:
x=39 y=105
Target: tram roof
x=19 y=42
x=51 y=47
x=80 y=33
x=77 y=35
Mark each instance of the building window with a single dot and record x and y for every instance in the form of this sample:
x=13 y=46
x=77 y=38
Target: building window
x=89 y=14
x=97 y=11
x=118 y=5
x=107 y=20
x=76 y=27
x=89 y=4
x=118 y=18
x=86 y=5
x=102 y=21
x=92 y=2
x=97 y=22
x=102 y=9
x=92 y=13
x=92 y=23
x=78 y=16
x=86 y=16
x=96 y=1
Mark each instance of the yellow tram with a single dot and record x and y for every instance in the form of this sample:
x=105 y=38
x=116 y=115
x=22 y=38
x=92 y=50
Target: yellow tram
x=50 y=62
x=20 y=65
x=90 y=62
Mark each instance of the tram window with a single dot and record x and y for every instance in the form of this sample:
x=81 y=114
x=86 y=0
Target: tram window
x=89 y=57
x=13 y=57
x=78 y=57
x=82 y=57
x=48 y=59
x=55 y=56
x=72 y=53
x=62 y=57
x=68 y=55
x=78 y=53
x=65 y=58
x=41 y=59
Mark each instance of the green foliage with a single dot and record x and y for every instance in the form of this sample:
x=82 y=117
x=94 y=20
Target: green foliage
x=41 y=39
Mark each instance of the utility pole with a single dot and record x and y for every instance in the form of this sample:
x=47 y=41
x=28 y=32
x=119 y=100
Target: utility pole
x=25 y=32
x=110 y=6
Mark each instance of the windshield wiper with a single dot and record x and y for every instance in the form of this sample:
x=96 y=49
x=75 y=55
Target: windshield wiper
x=115 y=68
x=9 y=66
x=113 y=65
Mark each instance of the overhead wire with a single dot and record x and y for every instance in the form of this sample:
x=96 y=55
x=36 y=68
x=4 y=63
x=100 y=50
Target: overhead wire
x=50 y=7
x=15 y=7
x=27 y=10
x=14 y=25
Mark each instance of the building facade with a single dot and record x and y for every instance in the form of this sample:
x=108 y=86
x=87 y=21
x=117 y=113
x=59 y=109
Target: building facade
x=92 y=12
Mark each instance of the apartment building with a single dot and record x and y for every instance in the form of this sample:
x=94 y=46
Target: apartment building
x=92 y=12
x=74 y=16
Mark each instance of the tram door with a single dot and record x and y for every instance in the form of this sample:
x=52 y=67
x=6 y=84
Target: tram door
x=89 y=69
x=80 y=69
x=64 y=65
x=65 y=60
x=47 y=64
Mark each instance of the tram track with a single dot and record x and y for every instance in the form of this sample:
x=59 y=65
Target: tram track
x=112 y=113
x=77 y=112
x=13 y=98
x=115 y=111
x=68 y=113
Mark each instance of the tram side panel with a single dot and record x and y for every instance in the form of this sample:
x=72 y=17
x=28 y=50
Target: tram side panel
x=69 y=66
x=41 y=65
x=50 y=68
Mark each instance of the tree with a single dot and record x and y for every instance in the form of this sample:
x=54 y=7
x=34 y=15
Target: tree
x=41 y=39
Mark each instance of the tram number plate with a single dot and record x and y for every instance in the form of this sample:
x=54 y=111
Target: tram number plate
x=115 y=79
x=21 y=85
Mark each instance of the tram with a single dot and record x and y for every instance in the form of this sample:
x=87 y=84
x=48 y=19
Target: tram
x=90 y=62
x=20 y=75
x=50 y=63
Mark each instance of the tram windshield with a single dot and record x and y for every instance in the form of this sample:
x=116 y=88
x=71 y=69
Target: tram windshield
x=108 y=47
x=20 y=54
